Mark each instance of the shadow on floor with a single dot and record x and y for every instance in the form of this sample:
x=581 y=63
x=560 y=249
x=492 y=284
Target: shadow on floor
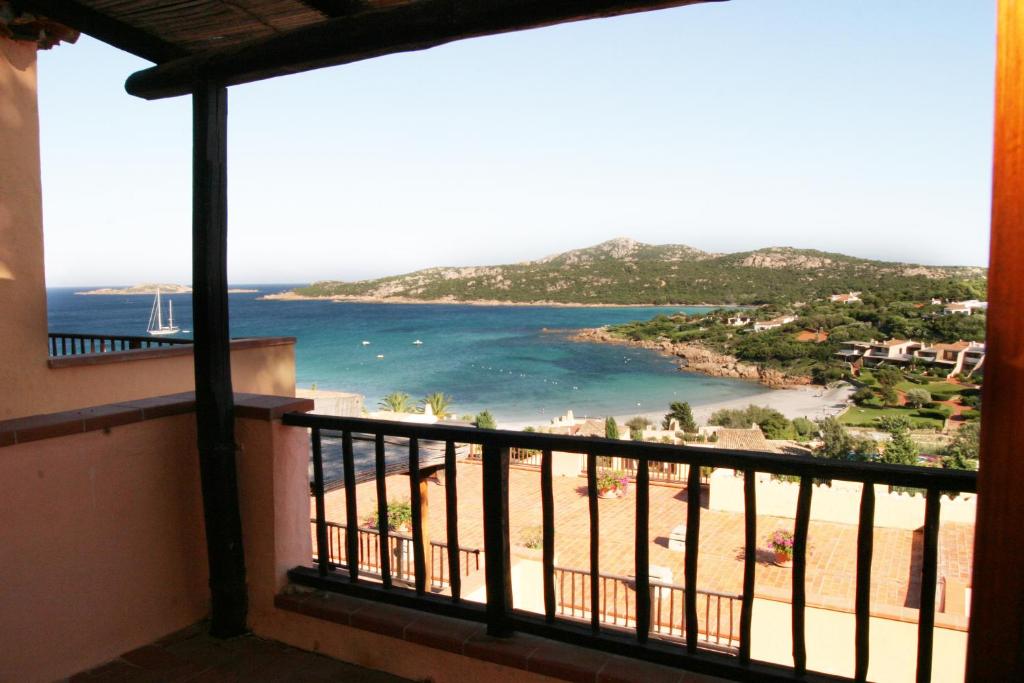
x=192 y=655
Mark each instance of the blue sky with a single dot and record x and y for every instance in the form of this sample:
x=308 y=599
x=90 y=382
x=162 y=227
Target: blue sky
x=862 y=127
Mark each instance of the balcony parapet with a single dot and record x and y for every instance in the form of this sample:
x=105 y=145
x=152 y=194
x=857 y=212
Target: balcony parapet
x=143 y=354
x=65 y=423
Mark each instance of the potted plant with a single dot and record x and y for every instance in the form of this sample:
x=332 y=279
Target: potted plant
x=611 y=484
x=399 y=517
x=781 y=543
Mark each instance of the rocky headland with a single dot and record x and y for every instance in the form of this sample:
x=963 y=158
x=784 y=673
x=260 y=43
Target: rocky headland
x=695 y=357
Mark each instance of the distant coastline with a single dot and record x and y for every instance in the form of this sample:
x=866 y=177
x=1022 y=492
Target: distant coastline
x=345 y=298
x=151 y=289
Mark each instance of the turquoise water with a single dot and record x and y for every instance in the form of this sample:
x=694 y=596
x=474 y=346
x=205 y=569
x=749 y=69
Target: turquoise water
x=515 y=361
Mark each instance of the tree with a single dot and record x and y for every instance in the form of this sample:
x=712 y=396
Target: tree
x=637 y=425
x=485 y=420
x=396 y=402
x=611 y=428
x=439 y=403
x=900 y=449
x=838 y=444
x=889 y=395
x=918 y=397
x=863 y=395
x=963 y=451
x=803 y=427
x=887 y=376
x=682 y=414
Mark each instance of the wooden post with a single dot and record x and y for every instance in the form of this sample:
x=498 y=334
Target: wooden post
x=994 y=650
x=428 y=566
x=215 y=425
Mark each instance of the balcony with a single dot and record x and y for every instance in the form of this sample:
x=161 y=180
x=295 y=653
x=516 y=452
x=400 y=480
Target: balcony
x=685 y=622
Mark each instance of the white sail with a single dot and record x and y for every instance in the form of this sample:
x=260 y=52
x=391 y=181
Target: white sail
x=156 y=325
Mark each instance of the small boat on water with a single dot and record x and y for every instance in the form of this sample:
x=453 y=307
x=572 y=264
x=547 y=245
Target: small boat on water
x=417 y=343
x=380 y=355
x=366 y=343
x=156 y=325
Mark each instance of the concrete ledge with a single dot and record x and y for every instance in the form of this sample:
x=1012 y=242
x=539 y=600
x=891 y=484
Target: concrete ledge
x=52 y=425
x=469 y=639
x=84 y=359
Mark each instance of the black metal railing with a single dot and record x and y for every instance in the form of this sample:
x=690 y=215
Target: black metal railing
x=76 y=344
x=499 y=612
x=717 y=612
x=400 y=553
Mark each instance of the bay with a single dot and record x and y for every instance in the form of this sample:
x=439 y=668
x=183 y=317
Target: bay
x=516 y=361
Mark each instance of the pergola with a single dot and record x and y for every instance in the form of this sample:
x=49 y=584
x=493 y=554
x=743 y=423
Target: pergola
x=200 y=47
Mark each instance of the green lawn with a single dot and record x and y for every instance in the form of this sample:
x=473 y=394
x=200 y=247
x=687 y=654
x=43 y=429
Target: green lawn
x=932 y=387
x=867 y=416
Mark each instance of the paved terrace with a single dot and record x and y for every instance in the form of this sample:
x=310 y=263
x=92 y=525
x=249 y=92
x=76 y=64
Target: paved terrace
x=192 y=655
x=831 y=557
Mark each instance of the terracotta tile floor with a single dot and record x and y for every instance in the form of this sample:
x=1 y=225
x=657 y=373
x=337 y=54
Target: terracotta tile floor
x=192 y=655
x=831 y=567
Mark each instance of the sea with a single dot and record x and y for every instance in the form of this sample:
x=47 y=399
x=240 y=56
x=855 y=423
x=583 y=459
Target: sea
x=518 y=362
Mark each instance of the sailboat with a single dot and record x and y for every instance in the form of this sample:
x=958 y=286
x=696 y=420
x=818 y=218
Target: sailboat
x=156 y=325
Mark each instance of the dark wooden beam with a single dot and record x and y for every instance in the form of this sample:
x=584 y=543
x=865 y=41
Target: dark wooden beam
x=105 y=28
x=374 y=33
x=215 y=426
x=995 y=644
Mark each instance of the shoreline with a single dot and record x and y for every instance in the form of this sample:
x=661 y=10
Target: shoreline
x=346 y=298
x=696 y=358
x=163 y=292
x=813 y=402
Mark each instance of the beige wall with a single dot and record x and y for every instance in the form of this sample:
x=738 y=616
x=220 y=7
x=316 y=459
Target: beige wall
x=839 y=503
x=22 y=284
x=830 y=638
x=257 y=367
x=102 y=546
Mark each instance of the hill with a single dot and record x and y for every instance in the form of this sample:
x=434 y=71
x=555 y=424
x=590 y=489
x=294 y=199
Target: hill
x=623 y=271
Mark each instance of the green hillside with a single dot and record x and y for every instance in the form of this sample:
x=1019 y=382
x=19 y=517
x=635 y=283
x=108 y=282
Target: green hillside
x=623 y=271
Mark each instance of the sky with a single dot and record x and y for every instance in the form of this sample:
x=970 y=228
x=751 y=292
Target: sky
x=862 y=127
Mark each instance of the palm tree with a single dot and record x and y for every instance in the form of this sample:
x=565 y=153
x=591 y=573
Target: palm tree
x=439 y=403
x=396 y=402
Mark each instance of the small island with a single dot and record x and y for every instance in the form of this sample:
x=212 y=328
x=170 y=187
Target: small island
x=151 y=288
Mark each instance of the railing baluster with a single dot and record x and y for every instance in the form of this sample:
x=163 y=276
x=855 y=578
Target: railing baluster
x=323 y=550
x=862 y=600
x=692 y=550
x=749 y=558
x=642 y=551
x=418 y=555
x=929 y=571
x=383 y=528
x=547 y=502
x=498 y=568
x=595 y=588
x=803 y=518
x=451 y=501
x=351 y=516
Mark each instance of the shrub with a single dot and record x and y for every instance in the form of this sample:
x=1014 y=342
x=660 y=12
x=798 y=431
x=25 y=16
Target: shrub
x=804 y=428
x=531 y=537
x=940 y=413
x=399 y=516
x=970 y=400
x=971 y=414
x=918 y=397
x=863 y=394
x=485 y=420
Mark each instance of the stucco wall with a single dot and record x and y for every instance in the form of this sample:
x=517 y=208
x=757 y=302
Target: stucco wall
x=257 y=367
x=102 y=546
x=22 y=283
x=839 y=503
x=830 y=638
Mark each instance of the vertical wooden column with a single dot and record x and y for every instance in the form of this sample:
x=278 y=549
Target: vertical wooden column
x=995 y=649
x=215 y=425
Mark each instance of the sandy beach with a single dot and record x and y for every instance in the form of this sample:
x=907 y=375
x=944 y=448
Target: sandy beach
x=813 y=402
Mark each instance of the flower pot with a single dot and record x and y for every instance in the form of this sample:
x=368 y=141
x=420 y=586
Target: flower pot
x=783 y=559
x=611 y=493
